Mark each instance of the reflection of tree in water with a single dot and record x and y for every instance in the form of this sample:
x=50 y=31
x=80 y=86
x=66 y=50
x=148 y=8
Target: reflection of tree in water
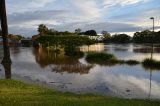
x=45 y=57
x=60 y=62
x=147 y=50
x=77 y=68
x=148 y=68
x=15 y=51
x=120 y=49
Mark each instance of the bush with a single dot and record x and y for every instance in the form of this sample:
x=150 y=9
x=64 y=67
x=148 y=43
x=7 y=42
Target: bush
x=132 y=62
x=107 y=59
x=94 y=57
x=151 y=64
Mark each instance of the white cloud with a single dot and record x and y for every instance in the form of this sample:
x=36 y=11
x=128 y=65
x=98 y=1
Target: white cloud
x=40 y=3
x=86 y=9
x=109 y=3
x=20 y=6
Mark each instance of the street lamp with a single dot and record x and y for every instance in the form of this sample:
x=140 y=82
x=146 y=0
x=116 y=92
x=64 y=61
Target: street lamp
x=152 y=18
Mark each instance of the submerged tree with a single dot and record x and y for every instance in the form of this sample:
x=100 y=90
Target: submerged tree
x=6 y=62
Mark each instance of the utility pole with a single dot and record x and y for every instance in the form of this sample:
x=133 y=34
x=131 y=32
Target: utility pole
x=6 y=62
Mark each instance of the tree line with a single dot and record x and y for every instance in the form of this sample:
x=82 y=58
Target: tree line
x=145 y=36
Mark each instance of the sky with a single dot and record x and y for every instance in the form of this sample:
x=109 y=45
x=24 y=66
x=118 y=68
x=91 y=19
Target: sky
x=114 y=16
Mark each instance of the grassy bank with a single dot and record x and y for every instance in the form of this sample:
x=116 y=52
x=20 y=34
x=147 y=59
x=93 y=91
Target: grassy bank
x=16 y=93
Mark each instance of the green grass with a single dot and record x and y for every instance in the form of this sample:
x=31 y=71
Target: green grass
x=94 y=57
x=151 y=64
x=107 y=59
x=16 y=93
x=131 y=62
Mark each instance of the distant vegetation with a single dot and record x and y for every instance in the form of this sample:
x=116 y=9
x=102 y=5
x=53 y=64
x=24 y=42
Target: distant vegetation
x=69 y=43
x=145 y=36
x=121 y=38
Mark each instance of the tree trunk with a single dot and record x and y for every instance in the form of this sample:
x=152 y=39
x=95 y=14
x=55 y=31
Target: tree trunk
x=6 y=62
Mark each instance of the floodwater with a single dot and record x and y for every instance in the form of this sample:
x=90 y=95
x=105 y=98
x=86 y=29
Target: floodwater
x=76 y=75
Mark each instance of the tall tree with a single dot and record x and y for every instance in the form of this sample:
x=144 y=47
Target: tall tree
x=78 y=30
x=91 y=33
x=107 y=35
x=42 y=29
x=6 y=62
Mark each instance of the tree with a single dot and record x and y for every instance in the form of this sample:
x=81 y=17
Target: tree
x=120 y=38
x=6 y=62
x=145 y=36
x=78 y=30
x=42 y=29
x=106 y=33
x=91 y=33
x=107 y=36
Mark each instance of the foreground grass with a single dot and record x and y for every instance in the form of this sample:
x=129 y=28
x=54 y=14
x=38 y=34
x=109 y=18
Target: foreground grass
x=16 y=93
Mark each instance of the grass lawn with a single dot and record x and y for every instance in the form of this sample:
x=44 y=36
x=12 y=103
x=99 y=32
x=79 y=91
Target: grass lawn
x=16 y=93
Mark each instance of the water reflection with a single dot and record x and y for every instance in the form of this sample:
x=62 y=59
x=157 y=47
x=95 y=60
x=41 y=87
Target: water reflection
x=61 y=62
x=91 y=48
x=76 y=75
x=6 y=67
x=147 y=50
x=76 y=68
x=44 y=58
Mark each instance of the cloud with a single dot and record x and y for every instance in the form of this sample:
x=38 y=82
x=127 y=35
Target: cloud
x=40 y=3
x=89 y=9
x=109 y=3
x=118 y=16
x=108 y=26
x=62 y=20
x=20 y=6
x=19 y=18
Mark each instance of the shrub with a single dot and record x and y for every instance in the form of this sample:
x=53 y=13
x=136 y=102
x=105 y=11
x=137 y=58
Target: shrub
x=151 y=64
x=100 y=57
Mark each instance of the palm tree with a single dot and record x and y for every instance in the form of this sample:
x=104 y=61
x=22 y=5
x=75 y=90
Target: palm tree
x=6 y=62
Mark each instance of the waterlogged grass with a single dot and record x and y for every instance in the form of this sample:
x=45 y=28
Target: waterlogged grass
x=94 y=57
x=151 y=64
x=16 y=93
x=107 y=59
x=131 y=62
